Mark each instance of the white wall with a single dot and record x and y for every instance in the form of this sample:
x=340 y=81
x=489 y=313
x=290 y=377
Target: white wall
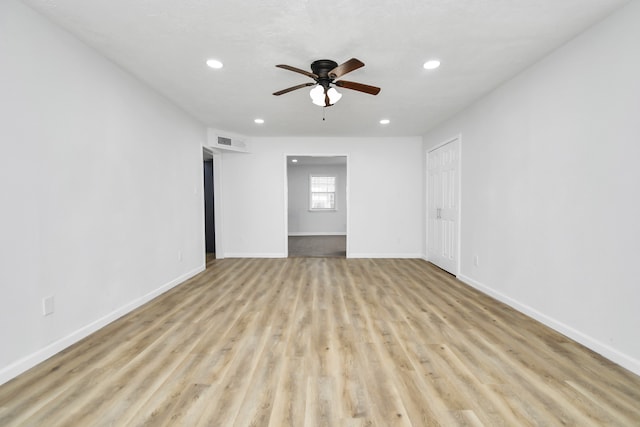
x=302 y=221
x=101 y=187
x=253 y=199
x=550 y=189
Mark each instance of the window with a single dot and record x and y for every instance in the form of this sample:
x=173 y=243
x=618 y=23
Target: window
x=323 y=193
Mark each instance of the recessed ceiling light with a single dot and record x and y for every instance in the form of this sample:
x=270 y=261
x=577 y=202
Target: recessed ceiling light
x=431 y=64
x=259 y=121
x=214 y=63
x=385 y=121
x=294 y=160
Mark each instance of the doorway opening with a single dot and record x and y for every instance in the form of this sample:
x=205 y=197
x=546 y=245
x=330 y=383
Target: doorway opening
x=209 y=207
x=317 y=206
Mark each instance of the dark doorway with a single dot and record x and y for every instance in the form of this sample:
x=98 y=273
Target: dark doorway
x=209 y=218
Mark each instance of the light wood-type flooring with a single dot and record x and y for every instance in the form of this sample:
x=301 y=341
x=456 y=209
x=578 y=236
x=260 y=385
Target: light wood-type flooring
x=323 y=342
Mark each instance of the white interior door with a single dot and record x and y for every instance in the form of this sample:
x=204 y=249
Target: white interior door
x=443 y=164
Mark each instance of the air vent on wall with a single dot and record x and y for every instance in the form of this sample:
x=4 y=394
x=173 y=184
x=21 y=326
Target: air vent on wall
x=224 y=141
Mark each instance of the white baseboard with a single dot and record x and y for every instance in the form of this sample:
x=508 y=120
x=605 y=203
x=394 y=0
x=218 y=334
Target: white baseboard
x=318 y=233
x=388 y=255
x=43 y=354
x=599 y=347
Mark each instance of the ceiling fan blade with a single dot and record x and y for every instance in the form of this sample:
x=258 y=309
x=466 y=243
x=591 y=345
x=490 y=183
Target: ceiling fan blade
x=346 y=67
x=289 y=89
x=297 y=70
x=372 y=90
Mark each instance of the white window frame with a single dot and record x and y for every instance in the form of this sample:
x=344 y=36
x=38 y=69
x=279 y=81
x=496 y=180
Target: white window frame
x=335 y=195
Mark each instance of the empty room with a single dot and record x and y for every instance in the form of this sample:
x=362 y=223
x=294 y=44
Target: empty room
x=319 y=213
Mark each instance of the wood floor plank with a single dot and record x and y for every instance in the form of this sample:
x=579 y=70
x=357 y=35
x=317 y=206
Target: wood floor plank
x=323 y=341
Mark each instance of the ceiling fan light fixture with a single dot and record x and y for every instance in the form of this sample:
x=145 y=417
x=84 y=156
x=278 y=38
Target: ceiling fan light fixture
x=317 y=95
x=334 y=95
x=324 y=74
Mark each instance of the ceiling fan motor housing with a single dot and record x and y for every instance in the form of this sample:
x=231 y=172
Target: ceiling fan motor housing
x=321 y=68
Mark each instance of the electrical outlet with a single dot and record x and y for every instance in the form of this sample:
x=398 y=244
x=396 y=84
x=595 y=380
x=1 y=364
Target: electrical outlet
x=179 y=255
x=476 y=261
x=47 y=306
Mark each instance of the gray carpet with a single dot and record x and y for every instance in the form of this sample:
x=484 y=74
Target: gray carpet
x=318 y=246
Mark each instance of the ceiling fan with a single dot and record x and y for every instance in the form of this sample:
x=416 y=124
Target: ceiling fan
x=324 y=73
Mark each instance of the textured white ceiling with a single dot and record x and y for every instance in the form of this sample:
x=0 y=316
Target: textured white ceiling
x=317 y=160
x=481 y=43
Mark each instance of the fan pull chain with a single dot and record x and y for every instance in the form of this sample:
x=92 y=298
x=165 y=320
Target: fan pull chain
x=323 y=111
